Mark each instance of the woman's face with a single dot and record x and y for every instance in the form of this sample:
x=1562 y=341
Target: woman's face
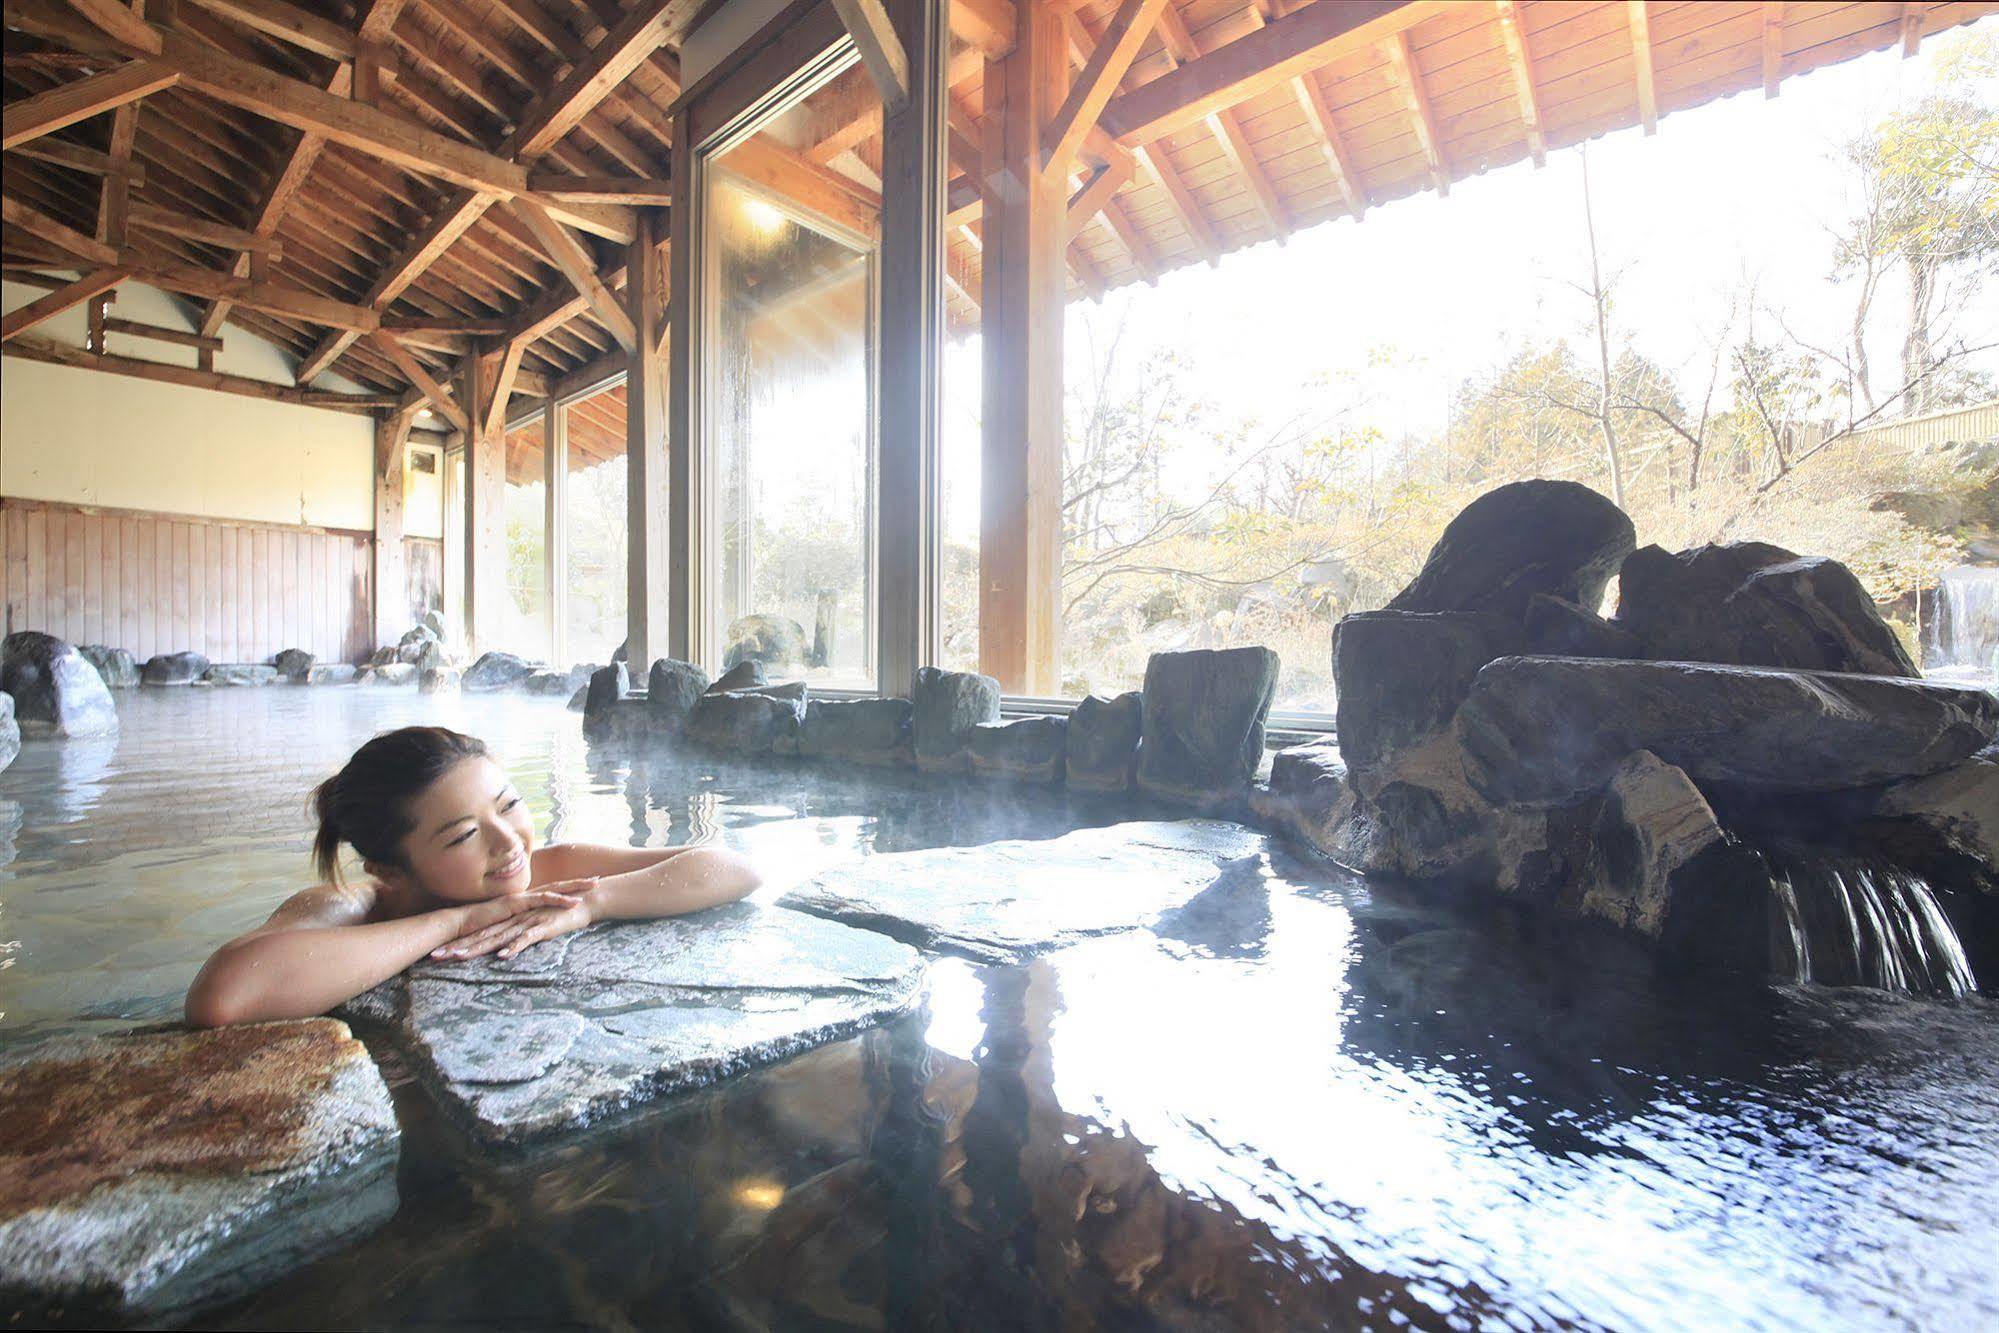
x=472 y=837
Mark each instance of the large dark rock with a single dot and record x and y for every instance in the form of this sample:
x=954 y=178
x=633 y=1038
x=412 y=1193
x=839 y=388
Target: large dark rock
x=750 y=722
x=1542 y=731
x=1307 y=797
x=1103 y=742
x=1946 y=824
x=860 y=731
x=564 y=683
x=496 y=671
x=1401 y=676
x=1027 y=749
x=608 y=685
x=947 y=705
x=1204 y=717
x=1530 y=537
x=120 y=672
x=410 y=648
x=153 y=1174
x=436 y=680
x=742 y=676
x=672 y=689
x=10 y=732
x=1556 y=628
x=174 y=669
x=430 y=657
x=768 y=639
x=1753 y=604
x=54 y=686
x=294 y=664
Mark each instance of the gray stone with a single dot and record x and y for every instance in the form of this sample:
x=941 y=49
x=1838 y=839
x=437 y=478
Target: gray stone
x=10 y=732
x=1007 y=901
x=673 y=688
x=433 y=620
x=436 y=680
x=1946 y=824
x=946 y=706
x=497 y=671
x=1204 y=718
x=1028 y=749
x=1542 y=731
x=874 y=732
x=173 y=669
x=1753 y=604
x=1529 y=537
x=332 y=673
x=410 y=648
x=395 y=673
x=382 y=657
x=579 y=700
x=1304 y=798
x=1556 y=628
x=294 y=664
x=240 y=673
x=771 y=640
x=618 y=1014
x=1103 y=742
x=564 y=683
x=742 y=676
x=608 y=686
x=1401 y=676
x=154 y=1174
x=54 y=686
x=753 y=722
x=429 y=657
x=120 y=672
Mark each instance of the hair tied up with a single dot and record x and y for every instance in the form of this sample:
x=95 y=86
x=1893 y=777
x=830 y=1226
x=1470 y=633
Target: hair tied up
x=366 y=804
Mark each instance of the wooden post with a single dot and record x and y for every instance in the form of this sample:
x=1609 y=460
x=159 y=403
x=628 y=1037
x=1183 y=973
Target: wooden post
x=555 y=527
x=1025 y=228
x=645 y=451
x=911 y=325
x=392 y=603
x=485 y=510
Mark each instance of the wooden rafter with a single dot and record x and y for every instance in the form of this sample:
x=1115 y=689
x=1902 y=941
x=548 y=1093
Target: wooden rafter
x=1409 y=81
x=1912 y=27
x=114 y=194
x=1773 y=46
x=61 y=354
x=642 y=30
x=1091 y=92
x=1640 y=20
x=288 y=23
x=152 y=217
x=881 y=50
x=1520 y=58
x=1318 y=113
x=65 y=238
x=118 y=23
x=68 y=297
x=421 y=379
x=579 y=268
x=601 y=189
x=78 y=158
x=43 y=113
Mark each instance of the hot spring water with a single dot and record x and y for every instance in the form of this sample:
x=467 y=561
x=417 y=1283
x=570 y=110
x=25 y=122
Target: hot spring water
x=1845 y=920
x=1964 y=624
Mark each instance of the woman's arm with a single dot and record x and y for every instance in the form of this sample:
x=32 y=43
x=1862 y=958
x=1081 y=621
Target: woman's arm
x=319 y=949
x=585 y=860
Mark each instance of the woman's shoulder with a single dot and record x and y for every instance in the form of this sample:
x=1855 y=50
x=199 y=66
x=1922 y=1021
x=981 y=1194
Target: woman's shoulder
x=346 y=903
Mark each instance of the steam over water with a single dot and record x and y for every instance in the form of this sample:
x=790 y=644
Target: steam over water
x=1316 y=1102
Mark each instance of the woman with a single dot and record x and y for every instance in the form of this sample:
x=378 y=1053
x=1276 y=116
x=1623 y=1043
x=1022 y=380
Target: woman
x=454 y=873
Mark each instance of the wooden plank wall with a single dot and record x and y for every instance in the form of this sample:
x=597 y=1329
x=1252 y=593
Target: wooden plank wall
x=162 y=583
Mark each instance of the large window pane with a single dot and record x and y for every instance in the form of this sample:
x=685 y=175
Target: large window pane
x=595 y=507
x=524 y=627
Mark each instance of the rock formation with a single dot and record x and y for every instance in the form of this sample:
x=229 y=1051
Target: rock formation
x=54 y=687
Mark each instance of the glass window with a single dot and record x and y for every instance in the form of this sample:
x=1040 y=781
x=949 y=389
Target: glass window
x=524 y=626
x=595 y=507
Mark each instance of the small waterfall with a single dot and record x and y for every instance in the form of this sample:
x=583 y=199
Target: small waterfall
x=1844 y=920
x=1964 y=626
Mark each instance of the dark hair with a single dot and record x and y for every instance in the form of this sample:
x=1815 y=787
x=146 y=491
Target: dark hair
x=367 y=802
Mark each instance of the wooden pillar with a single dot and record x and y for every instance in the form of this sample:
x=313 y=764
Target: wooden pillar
x=555 y=528
x=1025 y=230
x=485 y=511
x=911 y=326
x=391 y=580
x=646 y=591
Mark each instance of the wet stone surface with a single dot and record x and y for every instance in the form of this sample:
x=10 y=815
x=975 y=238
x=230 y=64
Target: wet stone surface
x=581 y=1027
x=143 y=1177
x=1008 y=901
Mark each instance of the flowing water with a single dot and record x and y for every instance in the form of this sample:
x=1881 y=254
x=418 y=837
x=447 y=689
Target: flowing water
x=1861 y=921
x=1340 y=1104
x=1964 y=626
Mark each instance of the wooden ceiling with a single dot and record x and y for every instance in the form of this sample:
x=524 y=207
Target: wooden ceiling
x=382 y=190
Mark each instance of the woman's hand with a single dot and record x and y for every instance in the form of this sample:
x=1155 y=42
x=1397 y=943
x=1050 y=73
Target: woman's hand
x=527 y=918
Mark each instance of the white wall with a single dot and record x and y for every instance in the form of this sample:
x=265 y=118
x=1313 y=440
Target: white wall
x=87 y=437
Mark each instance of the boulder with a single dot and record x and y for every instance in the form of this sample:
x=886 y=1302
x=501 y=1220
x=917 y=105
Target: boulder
x=153 y=1174
x=608 y=685
x=1203 y=730
x=580 y=699
x=742 y=676
x=673 y=688
x=382 y=657
x=874 y=732
x=1544 y=731
x=946 y=705
x=1556 y=628
x=294 y=664
x=583 y=1026
x=1753 y=604
x=436 y=680
x=1400 y=676
x=1306 y=797
x=1103 y=742
x=430 y=657
x=1004 y=902
x=1529 y=537
x=751 y=722
x=564 y=683
x=771 y=640
x=433 y=620
x=1027 y=749
x=120 y=672
x=10 y=732
x=54 y=686
x=240 y=673
x=332 y=673
x=1945 y=824
x=395 y=673
x=497 y=671
x=173 y=669
x=410 y=648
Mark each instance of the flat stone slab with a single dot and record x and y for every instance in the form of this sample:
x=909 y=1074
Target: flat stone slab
x=145 y=1176
x=583 y=1026
x=1006 y=901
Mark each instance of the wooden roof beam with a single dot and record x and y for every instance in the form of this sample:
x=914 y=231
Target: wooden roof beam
x=119 y=23
x=576 y=264
x=1227 y=130
x=1912 y=27
x=67 y=297
x=986 y=25
x=63 y=153
x=31 y=117
x=272 y=297
x=59 y=354
x=1318 y=113
x=1514 y=33
x=1091 y=92
x=1640 y=20
x=175 y=223
x=1410 y=81
x=1298 y=43
x=881 y=50
x=1773 y=46
x=420 y=378
x=643 y=29
x=288 y=23
x=601 y=189
x=65 y=238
